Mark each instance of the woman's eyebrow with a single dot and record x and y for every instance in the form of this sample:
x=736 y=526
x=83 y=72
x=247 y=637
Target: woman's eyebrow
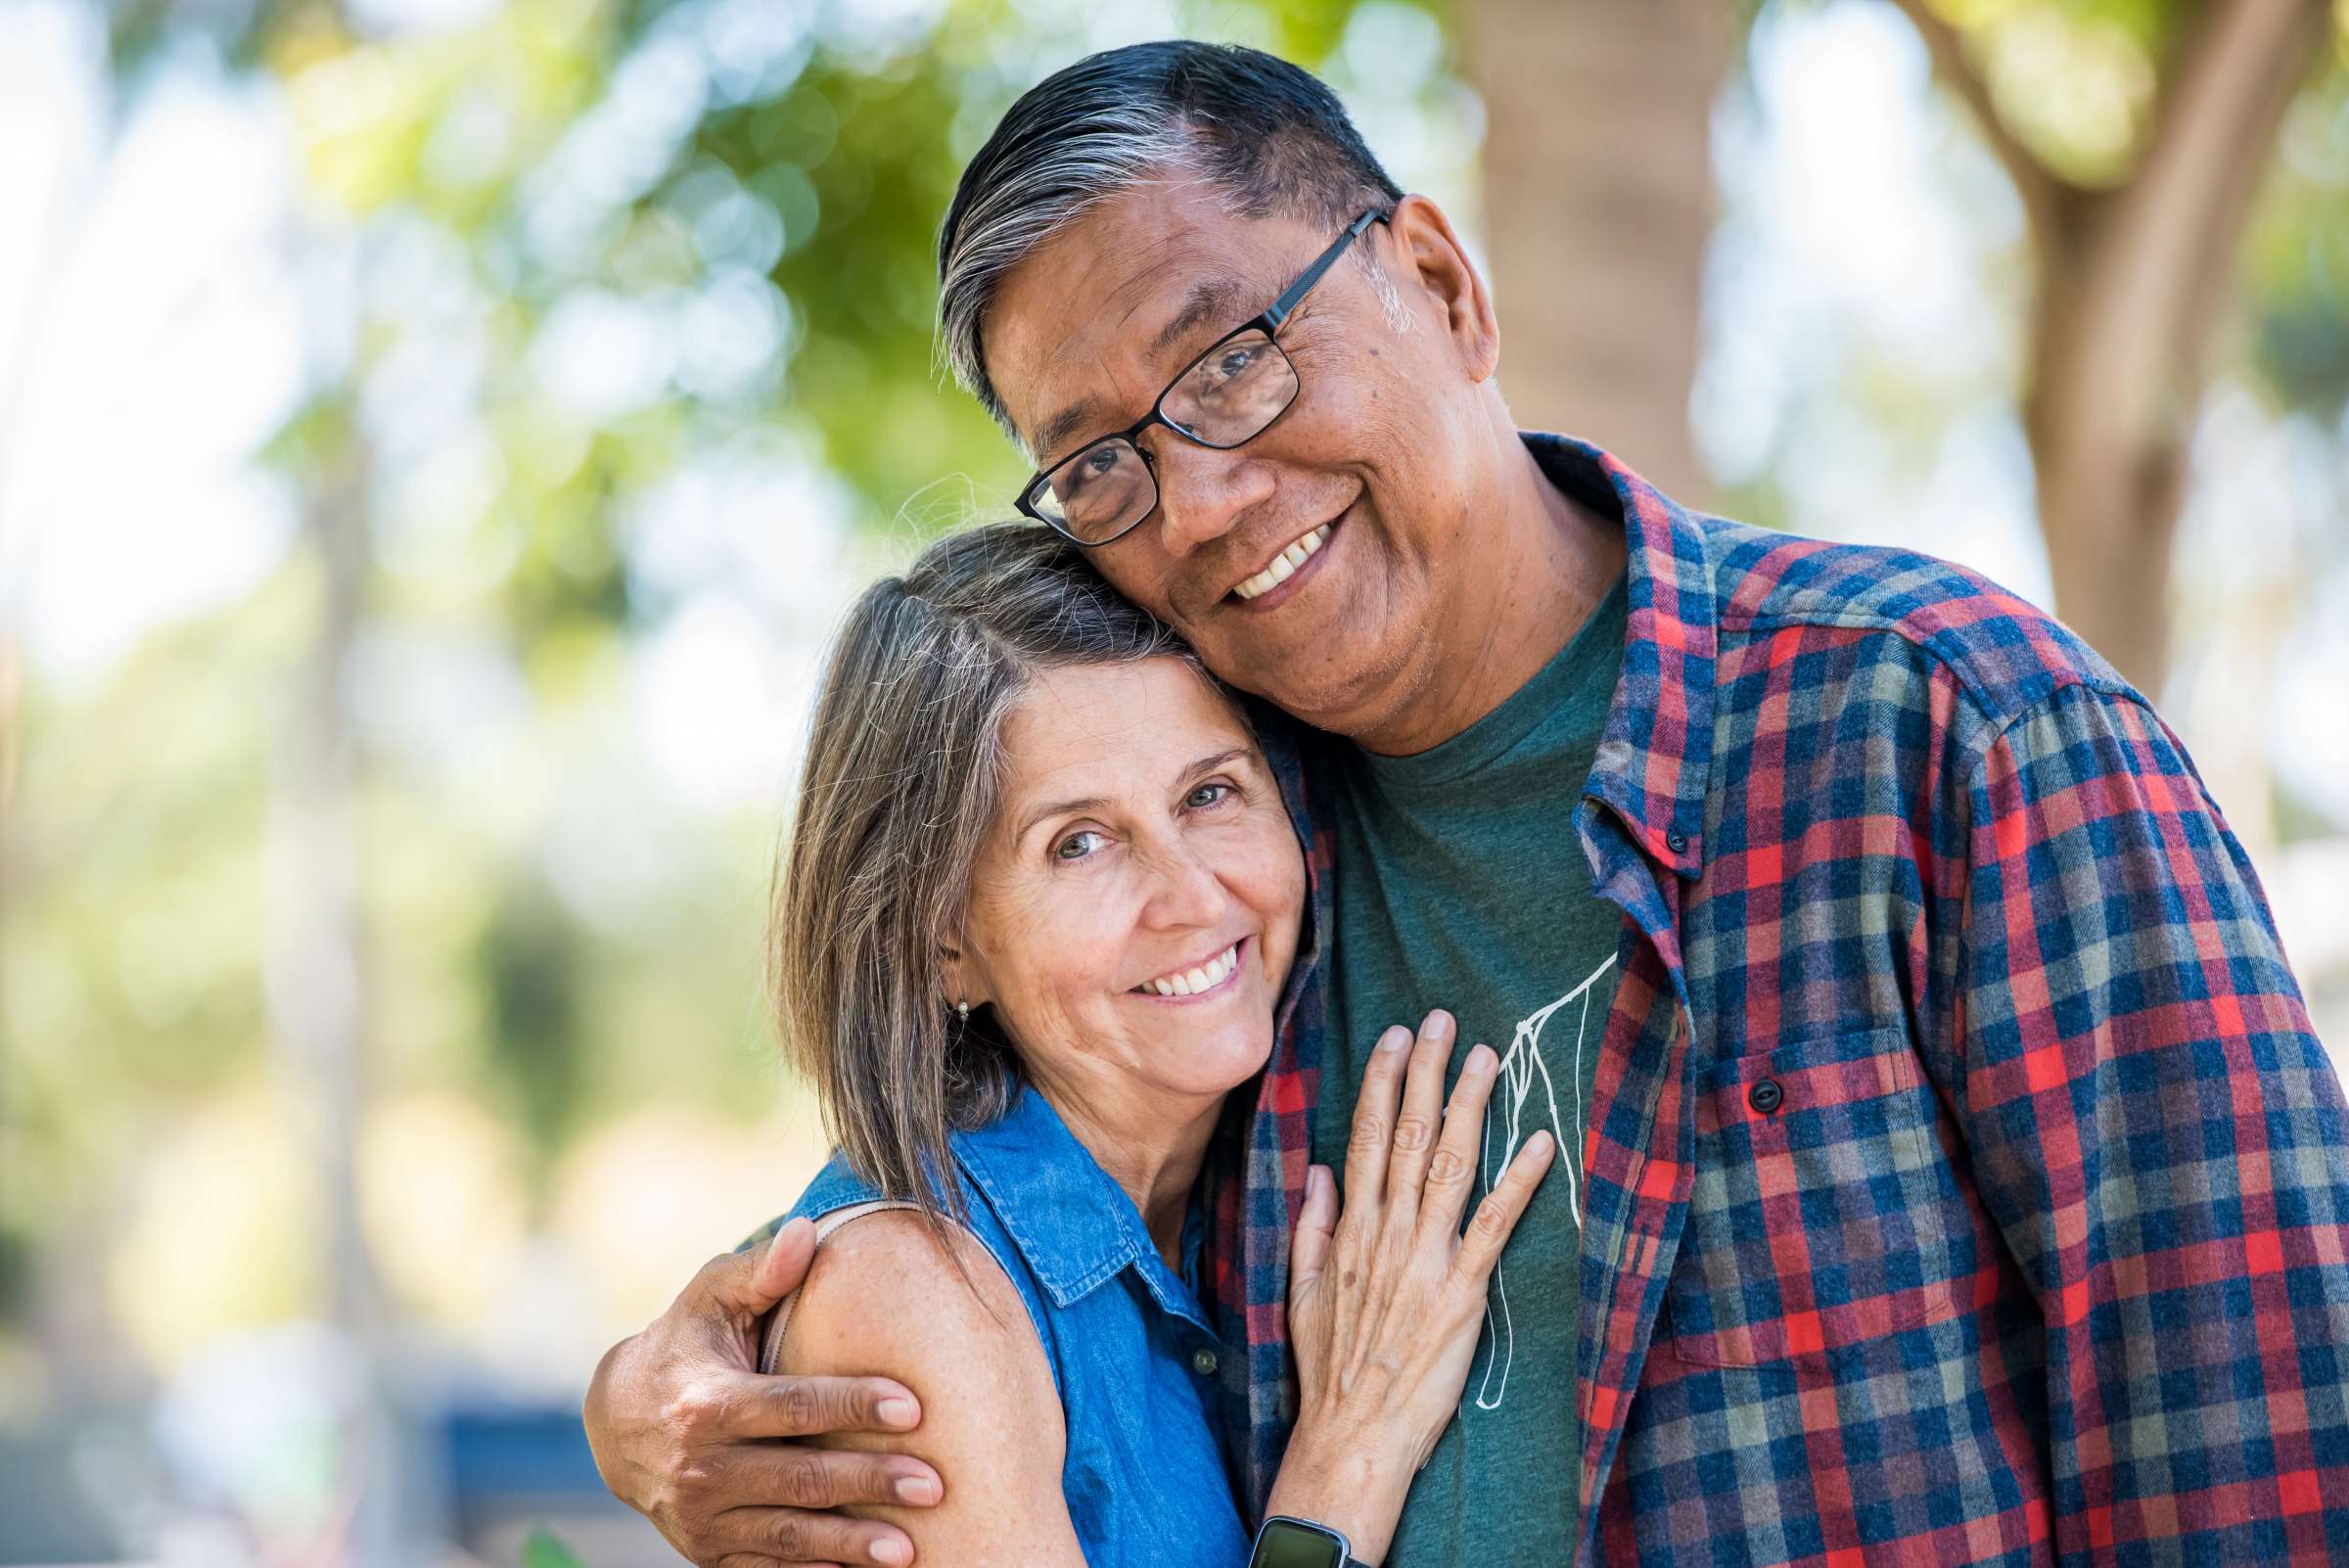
x=1096 y=802
x=1208 y=764
x=1027 y=823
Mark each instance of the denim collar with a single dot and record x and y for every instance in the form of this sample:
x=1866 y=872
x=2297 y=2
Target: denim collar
x=1074 y=1228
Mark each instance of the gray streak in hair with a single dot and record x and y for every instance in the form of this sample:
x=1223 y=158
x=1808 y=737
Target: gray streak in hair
x=1265 y=134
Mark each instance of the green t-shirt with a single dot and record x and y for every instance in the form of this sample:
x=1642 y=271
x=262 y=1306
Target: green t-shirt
x=1461 y=884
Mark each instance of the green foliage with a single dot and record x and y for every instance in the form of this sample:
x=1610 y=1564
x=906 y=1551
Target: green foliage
x=529 y=959
x=543 y=1548
x=2298 y=254
x=476 y=191
x=857 y=167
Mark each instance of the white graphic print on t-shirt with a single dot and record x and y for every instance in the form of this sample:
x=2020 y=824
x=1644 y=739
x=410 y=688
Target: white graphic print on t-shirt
x=1526 y=1098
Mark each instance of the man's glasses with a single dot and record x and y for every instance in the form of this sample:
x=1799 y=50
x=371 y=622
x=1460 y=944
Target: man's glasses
x=1227 y=396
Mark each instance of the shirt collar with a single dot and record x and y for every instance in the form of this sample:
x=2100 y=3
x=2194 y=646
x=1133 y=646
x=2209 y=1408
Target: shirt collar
x=1656 y=752
x=1074 y=1228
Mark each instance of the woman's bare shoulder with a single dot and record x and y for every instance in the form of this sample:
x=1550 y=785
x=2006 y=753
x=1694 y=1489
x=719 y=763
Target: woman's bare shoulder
x=888 y=1283
x=888 y=1297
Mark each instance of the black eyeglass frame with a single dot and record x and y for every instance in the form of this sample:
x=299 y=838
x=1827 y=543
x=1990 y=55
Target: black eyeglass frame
x=1269 y=322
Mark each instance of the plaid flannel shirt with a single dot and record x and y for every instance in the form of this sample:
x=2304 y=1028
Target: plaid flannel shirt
x=2033 y=1248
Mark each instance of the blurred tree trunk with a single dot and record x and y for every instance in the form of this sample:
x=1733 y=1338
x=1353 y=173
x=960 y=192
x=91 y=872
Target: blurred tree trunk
x=315 y=984
x=1598 y=204
x=2130 y=281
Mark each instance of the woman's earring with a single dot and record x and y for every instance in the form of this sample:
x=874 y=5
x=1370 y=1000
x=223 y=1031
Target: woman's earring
x=962 y=1010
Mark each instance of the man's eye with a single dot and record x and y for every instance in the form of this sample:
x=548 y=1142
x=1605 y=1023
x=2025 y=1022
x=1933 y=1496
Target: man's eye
x=1231 y=364
x=1206 y=795
x=1076 y=846
x=1086 y=468
x=1082 y=470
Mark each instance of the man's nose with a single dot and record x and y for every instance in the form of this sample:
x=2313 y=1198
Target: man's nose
x=1201 y=491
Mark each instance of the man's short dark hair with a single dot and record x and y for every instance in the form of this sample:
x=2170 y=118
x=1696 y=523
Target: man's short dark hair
x=1268 y=135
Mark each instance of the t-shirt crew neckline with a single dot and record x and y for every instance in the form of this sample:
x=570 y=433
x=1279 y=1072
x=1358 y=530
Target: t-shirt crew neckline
x=1595 y=645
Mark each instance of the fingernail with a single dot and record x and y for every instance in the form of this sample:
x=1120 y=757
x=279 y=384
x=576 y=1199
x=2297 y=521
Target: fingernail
x=892 y=1553
x=1395 y=1040
x=897 y=1412
x=919 y=1490
x=1438 y=1025
x=1480 y=1059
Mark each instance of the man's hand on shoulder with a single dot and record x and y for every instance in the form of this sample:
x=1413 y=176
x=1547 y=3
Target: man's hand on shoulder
x=687 y=1431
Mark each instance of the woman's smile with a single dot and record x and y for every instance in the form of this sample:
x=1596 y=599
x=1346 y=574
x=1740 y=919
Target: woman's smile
x=1214 y=977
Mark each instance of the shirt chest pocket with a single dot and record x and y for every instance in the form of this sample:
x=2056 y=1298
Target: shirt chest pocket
x=1823 y=1213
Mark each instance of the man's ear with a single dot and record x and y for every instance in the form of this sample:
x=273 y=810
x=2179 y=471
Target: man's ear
x=1430 y=258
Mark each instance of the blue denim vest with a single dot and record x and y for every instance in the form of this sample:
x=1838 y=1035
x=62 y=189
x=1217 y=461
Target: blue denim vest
x=1130 y=1352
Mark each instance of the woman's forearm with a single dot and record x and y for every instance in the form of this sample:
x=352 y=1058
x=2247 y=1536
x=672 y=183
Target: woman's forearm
x=1352 y=1483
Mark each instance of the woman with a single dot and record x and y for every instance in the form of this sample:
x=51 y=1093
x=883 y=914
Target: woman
x=1038 y=902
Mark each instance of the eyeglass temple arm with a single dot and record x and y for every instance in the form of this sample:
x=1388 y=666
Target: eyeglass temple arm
x=1278 y=312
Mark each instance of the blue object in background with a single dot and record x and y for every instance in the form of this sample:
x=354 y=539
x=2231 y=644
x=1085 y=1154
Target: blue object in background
x=494 y=1454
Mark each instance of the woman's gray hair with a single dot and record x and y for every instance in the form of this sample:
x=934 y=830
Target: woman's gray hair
x=1268 y=135
x=904 y=778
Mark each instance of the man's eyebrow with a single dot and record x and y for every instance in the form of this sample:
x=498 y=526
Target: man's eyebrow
x=1095 y=802
x=1059 y=428
x=1209 y=299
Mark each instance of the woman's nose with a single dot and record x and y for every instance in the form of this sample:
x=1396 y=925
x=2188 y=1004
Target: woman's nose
x=1188 y=893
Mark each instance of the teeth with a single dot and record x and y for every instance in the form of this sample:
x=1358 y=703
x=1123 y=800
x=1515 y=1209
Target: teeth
x=1283 y=564
x=1205 y=977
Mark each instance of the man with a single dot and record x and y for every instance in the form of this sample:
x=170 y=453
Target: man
x=1961 y=1179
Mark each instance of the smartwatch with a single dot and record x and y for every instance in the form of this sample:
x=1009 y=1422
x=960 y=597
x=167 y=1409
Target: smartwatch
x=1286 y=1542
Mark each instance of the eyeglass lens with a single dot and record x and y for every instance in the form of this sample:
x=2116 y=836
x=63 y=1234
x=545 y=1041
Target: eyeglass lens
x=1230 y=395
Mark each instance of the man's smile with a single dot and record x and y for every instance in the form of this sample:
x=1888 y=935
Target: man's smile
x=1284 y=565
x=1284 y=576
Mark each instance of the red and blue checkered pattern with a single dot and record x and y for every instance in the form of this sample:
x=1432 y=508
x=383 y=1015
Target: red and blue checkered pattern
x=2036 y=1247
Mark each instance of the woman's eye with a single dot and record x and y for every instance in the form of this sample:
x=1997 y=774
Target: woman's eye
x=1206 y=795
x=1076 y=846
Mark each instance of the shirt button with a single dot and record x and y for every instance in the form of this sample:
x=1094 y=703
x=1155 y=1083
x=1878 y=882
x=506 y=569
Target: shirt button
x=1764 y=1096
x=1203 y=1361
x=1676 y=841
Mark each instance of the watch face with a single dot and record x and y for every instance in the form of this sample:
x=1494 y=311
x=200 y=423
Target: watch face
x=1287 y=1543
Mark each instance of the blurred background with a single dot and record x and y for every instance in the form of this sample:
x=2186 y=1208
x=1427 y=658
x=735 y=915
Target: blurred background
x=437 y=437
